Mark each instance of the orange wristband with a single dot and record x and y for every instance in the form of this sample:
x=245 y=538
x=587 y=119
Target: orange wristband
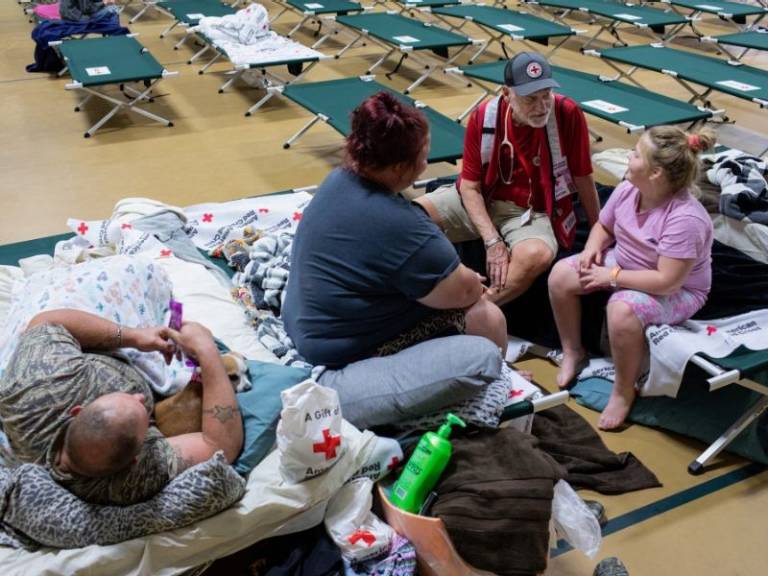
x=615 y=276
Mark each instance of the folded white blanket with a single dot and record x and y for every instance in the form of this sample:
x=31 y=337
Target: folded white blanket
x=247 y=40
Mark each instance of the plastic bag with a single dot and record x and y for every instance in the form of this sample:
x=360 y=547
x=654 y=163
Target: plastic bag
x=574 y=521
x=357 y=531
x=309 y=432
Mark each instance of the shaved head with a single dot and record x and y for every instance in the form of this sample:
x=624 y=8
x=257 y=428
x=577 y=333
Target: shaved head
x=106 y=435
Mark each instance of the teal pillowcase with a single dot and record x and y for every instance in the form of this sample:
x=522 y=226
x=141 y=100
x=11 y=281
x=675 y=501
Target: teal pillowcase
x=260 y=409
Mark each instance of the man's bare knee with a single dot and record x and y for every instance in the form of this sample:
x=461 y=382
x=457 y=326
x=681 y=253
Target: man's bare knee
x=532 y=256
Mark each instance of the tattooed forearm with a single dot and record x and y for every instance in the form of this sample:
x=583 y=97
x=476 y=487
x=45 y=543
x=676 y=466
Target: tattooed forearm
x=222 y=413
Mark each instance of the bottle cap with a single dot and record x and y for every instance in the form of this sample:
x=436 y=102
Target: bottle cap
x=451 y=419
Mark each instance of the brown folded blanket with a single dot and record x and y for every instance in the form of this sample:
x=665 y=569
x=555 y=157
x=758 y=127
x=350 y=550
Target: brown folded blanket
x=495 y=498
x=570 y=440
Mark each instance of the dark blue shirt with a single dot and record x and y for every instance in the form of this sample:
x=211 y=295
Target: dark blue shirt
x=361 y=258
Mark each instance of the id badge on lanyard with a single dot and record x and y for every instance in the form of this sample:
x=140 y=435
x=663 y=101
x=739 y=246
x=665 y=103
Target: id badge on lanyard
x=563 y=185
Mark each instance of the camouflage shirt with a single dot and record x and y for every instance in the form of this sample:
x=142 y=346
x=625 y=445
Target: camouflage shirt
x=47 y=376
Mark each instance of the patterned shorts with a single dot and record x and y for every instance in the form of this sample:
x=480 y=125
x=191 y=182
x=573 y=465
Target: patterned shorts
x=651 y=309
x=442 y=323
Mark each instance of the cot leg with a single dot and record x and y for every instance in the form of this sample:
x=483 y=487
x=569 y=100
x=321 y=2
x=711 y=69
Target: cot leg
x=697 y=466
x=259 y=104
x=419 y=80
x=472 y=106
x=140 y=13
x=348 y=46
x=209 y=64
x=104 y=119
x=301 y=132
x=82 y=102
x=483 y=48
x=298 y=26
x=231 y=81
x=171 y=27
x=380 y=61
x=198 y=54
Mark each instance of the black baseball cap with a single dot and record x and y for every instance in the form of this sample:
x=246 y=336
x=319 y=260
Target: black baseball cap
x=529 y=72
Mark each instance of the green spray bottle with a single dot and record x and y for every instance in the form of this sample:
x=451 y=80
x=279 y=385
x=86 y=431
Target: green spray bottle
x=424 y=467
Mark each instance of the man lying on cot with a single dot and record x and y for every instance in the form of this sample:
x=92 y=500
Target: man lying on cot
x=71 y=402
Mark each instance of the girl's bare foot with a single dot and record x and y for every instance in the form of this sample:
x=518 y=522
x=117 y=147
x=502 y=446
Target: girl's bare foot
x=618 y=407
x=574 y=361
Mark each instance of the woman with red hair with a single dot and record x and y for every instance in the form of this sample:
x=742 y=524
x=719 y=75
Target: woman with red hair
x=371 y=274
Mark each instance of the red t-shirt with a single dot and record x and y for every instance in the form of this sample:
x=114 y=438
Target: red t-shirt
x=532 y=142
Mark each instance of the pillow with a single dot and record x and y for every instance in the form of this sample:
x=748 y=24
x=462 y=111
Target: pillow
x=416 y=381
x=28 y=497
x=260 y=409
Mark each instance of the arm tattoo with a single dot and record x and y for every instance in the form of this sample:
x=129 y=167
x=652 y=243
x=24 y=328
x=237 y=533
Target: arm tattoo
x=222 y=413
x=182 y=462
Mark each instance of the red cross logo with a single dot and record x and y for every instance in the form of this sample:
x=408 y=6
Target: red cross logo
x=328 y=445
x=126 y=226
x=515 y=393
x=207 y=217
x=533 y=70
x=363 y=535
x=297 y=216
x=711 y=330
x=165 y=253
x=393 y=463
x=263 y=210
x=83 y=228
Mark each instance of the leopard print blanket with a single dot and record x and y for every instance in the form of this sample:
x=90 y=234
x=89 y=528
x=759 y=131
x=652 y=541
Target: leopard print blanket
x=35 y=511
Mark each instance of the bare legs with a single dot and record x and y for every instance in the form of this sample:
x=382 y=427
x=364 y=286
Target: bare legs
x=625 y=333
x=565 y=297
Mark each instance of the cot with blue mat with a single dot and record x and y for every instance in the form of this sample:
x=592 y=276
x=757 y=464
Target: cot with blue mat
x=703 y=411
x=502 y=23
x=187 y=13
x=613 y=15
x=733 y=12
x=332 y=101
x=738 y=80
x=428 y=45
x=750 y=40
x=95 y=63
x=629 y=106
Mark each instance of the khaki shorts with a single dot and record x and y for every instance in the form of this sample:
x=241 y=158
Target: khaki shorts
x=504 y=215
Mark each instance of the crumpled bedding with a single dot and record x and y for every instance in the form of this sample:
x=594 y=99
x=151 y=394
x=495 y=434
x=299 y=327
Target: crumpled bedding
x=36 y=511
x=247 y=40
x=742 y=178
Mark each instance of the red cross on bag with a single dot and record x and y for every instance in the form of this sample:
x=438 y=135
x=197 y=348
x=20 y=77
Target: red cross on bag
x=328 y=445
x=363 y=535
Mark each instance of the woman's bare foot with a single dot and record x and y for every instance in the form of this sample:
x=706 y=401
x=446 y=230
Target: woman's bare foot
x=618 y=407
x=572 y=364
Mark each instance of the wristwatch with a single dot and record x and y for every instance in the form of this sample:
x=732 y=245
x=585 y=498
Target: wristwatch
x=493 y=242
x=615 y=276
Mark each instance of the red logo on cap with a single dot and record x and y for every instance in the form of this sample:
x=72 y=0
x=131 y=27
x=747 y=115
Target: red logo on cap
x=533 y=70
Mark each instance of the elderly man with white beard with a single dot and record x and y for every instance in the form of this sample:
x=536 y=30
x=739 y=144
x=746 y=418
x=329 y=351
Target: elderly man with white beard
x=526 y=152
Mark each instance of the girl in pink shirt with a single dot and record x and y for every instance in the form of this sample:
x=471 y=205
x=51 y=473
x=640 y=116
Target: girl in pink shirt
x=652 y=247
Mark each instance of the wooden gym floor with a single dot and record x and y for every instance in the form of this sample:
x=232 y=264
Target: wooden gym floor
x=714 y=524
